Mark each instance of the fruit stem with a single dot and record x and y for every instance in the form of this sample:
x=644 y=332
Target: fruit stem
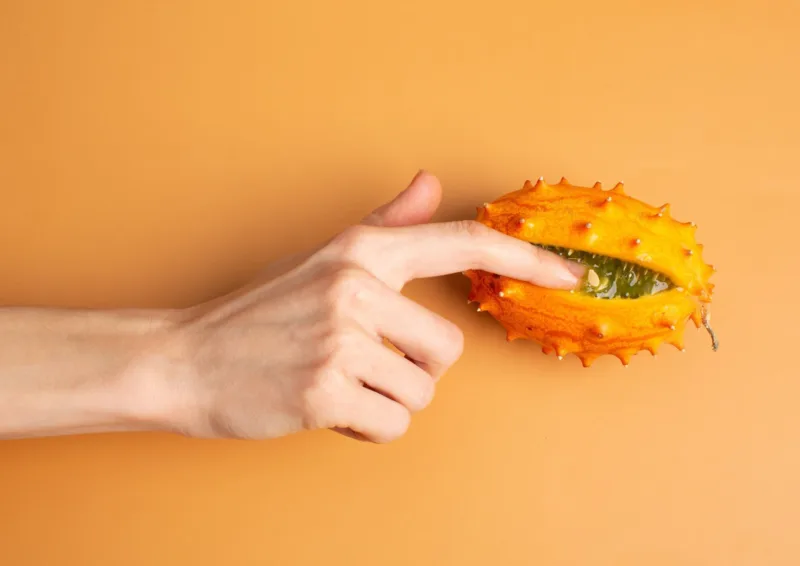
x=706 y=319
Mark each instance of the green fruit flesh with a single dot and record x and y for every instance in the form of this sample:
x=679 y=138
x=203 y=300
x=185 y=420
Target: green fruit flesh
x=616 y=279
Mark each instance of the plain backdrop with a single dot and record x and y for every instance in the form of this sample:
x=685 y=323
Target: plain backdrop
x=158 y=153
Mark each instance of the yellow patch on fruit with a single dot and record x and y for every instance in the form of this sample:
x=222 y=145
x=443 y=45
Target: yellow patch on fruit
x=607 y=224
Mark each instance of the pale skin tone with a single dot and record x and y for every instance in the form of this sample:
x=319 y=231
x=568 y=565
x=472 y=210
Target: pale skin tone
x=301 y=348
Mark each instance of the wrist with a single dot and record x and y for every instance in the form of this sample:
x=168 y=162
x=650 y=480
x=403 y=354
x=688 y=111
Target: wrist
x=154 y=389
x=65 y=371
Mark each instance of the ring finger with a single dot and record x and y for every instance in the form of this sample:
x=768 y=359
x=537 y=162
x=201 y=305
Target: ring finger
x=392 y=375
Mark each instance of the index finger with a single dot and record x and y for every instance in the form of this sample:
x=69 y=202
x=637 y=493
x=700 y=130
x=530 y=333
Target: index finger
x=398 y=255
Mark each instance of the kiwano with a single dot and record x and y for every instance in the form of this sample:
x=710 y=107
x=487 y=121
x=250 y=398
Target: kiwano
x=645 y=276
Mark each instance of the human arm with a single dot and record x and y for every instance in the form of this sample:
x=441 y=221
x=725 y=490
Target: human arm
x=301 y=349
x=72 y=371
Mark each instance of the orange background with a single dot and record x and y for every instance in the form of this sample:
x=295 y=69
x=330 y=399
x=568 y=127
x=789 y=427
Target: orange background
x=158 y=153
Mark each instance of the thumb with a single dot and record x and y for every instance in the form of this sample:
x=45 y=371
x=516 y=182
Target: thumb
x=415 y=205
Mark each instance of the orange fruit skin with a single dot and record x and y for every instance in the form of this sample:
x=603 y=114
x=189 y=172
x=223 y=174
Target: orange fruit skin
x=608 y=223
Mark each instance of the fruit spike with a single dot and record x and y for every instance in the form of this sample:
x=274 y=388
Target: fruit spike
x=630 y=241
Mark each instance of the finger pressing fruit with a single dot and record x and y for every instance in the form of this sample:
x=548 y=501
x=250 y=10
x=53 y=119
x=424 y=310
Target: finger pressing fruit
x=645 y=277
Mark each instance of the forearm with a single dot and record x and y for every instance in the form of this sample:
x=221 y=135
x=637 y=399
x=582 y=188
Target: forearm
x=81 y=371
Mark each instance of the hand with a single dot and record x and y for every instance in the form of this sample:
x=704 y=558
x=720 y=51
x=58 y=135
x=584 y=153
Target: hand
x=304 y=350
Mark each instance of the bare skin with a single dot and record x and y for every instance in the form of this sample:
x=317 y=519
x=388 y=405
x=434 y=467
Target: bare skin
x=299 y=349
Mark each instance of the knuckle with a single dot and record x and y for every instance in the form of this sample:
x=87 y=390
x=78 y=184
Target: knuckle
x=318 y=400
x=325 y=387
x=345 y=287
x=337 y=345
x=471 y=228
x=350 y=243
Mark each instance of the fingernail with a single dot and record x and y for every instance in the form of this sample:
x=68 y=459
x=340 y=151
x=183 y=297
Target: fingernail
x=419 y=174
x=410 y=184
x=570 y=274
x=414 y=179
x=577 y=269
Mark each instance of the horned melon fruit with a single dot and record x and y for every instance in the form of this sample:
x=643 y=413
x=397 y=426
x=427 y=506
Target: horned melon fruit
x=645 y=276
